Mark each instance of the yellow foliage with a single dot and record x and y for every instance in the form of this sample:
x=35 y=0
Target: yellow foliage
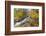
x=33 y=14
x=19 y=14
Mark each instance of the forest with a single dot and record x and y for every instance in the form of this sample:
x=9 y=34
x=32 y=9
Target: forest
x=26 y=17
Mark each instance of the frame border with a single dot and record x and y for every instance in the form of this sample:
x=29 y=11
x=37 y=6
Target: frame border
x=8 y=16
